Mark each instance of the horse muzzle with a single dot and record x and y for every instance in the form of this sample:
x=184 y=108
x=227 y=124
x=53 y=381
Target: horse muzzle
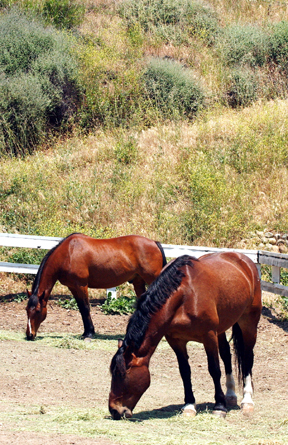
x=122 y=413
x=30 y=336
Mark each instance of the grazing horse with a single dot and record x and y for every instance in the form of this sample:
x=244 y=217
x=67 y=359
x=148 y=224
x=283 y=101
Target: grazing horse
x=80 y=262
x=194 y=300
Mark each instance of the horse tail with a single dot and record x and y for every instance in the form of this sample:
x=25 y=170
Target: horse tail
x=159 y=245
x=238 y=342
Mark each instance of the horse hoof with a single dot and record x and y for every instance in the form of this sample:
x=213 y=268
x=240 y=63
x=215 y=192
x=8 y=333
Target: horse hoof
x=231 y=400
x=219 y=413
x=247 y=409
x=87 y=339
x=189 y=410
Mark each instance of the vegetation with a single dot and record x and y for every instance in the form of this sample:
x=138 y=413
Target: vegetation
x=38 y=88
x=121 y=305
x=167 y=119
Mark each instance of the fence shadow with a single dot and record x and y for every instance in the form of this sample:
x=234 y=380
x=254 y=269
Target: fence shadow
x=273 y=319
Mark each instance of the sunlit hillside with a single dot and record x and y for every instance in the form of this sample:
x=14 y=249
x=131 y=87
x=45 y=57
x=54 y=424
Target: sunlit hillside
x=167 y=119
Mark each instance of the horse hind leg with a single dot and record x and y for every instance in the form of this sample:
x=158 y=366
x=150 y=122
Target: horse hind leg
x=244 y=337
x=139 y=286
x=225 y=355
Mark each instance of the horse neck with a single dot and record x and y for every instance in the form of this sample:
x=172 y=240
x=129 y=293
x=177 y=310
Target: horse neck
x=152 y=338
x=47 y=278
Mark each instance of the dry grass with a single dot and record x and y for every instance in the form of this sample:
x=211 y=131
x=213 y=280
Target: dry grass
x=83 y=185
x=259 y=11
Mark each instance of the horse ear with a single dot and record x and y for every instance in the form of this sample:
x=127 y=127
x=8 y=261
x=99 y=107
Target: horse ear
x=120 y=343
x=28 y=293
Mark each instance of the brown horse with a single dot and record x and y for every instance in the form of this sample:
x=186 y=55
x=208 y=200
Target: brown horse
x=80 y=262
x=194 y=300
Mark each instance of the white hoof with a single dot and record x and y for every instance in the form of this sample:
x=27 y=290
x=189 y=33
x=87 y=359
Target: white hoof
x=247 y=409
x=189 y=410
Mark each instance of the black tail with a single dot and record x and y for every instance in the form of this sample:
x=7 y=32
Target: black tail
x=162 y=252
x=239 y=350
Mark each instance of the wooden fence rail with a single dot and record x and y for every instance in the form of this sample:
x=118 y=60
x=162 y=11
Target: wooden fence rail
x=275 y=260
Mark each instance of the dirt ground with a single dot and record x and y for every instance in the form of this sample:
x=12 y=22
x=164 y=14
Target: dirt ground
x=270 y=369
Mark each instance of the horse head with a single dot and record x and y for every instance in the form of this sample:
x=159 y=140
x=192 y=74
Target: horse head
x=36 y=312
x=130 y=379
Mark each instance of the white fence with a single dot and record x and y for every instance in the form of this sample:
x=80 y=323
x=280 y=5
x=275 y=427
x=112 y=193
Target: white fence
x=275 y=260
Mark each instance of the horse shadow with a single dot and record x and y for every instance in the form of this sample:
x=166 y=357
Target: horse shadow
x=96 y=336
x=169 y=411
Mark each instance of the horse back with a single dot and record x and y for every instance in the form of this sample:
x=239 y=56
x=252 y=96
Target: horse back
x=109 y=262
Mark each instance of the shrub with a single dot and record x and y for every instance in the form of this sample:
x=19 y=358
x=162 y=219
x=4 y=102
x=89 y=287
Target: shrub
x=279 y=44
x=38 y=82
x=121 y=305
x=243 y=44
x=63 y=13
x=172 y=20
x=172 y=88
x=242 y=90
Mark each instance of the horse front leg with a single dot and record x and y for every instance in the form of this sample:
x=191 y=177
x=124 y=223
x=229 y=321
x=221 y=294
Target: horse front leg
x=80 y=294
x=180 y=349
x=211 y=348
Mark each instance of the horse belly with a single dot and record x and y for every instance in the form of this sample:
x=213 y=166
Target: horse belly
x=106 y=277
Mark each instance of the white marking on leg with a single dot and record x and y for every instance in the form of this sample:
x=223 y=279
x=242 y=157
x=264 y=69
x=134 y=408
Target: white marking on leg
x=248 y=391
x=189 y=409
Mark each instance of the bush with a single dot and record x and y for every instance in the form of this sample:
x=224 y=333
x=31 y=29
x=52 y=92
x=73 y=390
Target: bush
x=38 y=82
x=279 y=45
x=243 y=44
x=172 y=89
x=63 y=13
x=242 y=90
x=170 y=20
x=121 y=305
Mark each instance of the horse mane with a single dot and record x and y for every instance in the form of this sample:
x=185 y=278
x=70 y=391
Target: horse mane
x=148 y=304
x=33 y=300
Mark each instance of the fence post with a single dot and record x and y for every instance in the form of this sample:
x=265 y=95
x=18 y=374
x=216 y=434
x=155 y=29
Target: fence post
x=275 y=274
x=111 y=291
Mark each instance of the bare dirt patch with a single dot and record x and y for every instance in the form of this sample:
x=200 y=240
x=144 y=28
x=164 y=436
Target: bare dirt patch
x=58 y=395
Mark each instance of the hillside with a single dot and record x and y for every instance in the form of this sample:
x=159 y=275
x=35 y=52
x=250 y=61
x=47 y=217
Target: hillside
x=206 y=168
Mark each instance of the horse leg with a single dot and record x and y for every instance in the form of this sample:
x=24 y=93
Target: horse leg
x=139 y=285
x=80 y=294
x=244 y=336
x=225 y=355
x=211 y=347
x=180 y=349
